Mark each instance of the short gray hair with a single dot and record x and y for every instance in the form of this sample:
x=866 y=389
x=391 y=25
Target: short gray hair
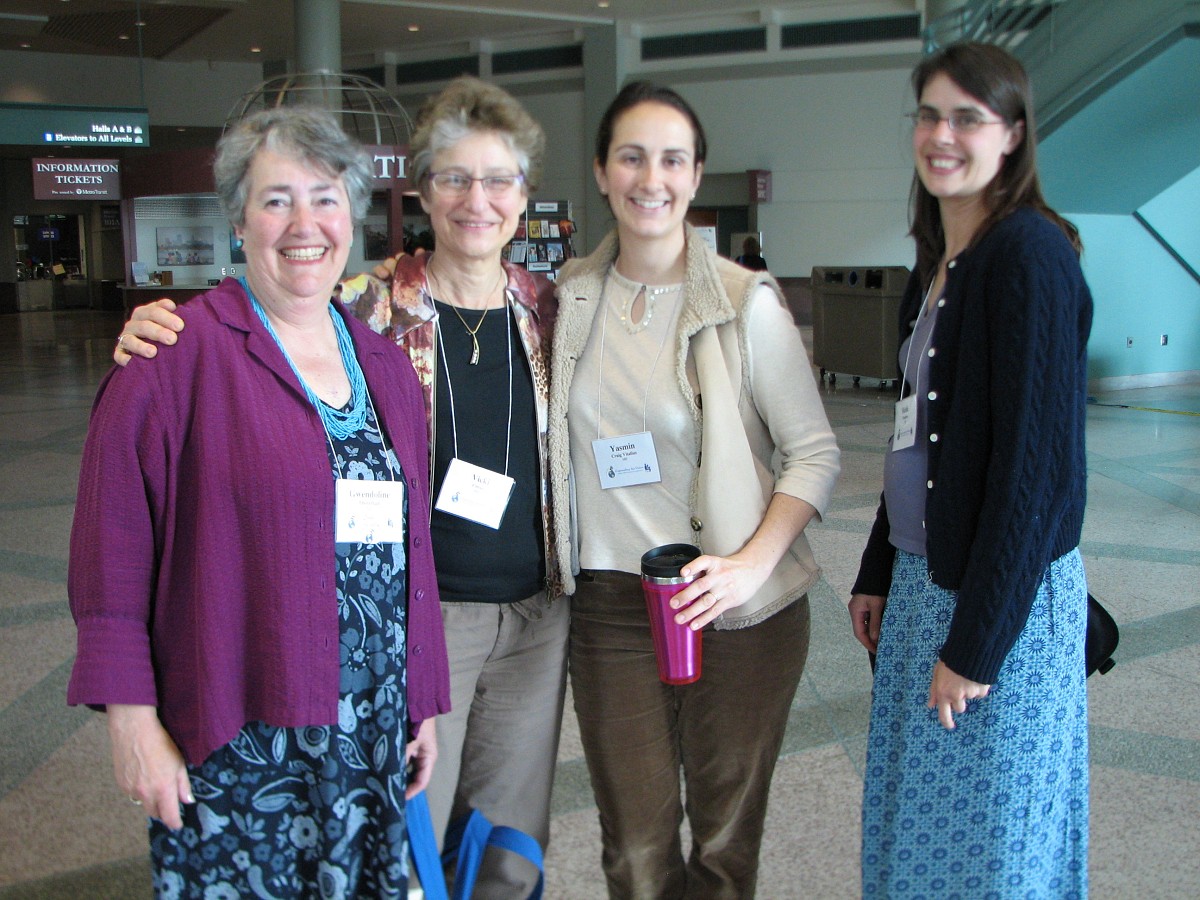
x=469 y=105
x=306 y=133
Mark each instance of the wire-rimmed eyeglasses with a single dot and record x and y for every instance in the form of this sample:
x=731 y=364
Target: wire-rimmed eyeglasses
x=961 y=121
x=456 y=184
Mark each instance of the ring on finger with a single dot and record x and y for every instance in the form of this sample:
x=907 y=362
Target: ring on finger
x=121 y=341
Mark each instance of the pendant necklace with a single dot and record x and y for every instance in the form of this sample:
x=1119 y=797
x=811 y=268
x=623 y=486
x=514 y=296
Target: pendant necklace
x=473 y=332
x=474 y=360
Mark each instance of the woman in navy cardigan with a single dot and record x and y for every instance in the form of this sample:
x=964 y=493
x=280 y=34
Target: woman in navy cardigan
x=971 y=590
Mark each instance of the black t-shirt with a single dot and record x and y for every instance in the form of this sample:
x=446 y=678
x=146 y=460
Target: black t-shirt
x=474 y=562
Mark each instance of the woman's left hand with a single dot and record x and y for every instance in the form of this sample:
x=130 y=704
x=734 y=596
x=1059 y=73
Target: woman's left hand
x=721 y=583
x=729 y=581
x=949 y=692
x=421 y=753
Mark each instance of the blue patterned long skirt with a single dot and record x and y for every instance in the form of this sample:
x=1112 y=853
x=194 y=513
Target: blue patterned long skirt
x=998 y=807
x=317 y=811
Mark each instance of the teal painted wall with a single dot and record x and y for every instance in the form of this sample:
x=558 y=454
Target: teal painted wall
x=1140 y=292
x=1175 y=214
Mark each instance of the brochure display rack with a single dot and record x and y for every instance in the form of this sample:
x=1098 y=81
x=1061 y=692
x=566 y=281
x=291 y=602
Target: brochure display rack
x=543 y=241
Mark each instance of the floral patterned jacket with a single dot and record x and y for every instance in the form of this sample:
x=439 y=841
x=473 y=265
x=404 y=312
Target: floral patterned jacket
x=403 y=312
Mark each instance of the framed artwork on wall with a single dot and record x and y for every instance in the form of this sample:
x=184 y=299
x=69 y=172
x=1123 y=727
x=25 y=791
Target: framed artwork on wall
x=185 y=245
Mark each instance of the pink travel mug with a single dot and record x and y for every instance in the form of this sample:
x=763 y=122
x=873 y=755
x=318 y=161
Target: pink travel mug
x=676 y=647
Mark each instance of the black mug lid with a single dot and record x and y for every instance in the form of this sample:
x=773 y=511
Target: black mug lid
x=667 y=560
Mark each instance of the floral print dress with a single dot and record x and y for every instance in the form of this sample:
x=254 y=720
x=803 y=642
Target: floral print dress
x=315 y=811
x=998 y=807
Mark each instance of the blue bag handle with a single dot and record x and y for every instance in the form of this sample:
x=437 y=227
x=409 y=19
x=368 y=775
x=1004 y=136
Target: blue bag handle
x=466 y=841
x=423 y=846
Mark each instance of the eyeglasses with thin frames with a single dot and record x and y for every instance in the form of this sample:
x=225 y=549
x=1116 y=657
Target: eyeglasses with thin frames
x=961 y=121
x=456 y=184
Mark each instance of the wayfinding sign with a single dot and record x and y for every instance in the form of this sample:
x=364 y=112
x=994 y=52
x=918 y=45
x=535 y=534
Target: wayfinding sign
x=60 y=178
x=74 y=126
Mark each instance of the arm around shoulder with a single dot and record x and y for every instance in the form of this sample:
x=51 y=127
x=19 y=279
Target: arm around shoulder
x=151 y=324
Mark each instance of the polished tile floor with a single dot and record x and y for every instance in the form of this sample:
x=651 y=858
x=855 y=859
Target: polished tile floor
x=65 y=831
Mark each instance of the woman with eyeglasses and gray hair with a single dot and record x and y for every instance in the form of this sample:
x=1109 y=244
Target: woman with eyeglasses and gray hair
x=477 y=330
x=251 y=570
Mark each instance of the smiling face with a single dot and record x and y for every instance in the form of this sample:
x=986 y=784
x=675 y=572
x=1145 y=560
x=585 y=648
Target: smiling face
x=956 y=167
x=474 y=227
x=650 y=174
x=297 y=229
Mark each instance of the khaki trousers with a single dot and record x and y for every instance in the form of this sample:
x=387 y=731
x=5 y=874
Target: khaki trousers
x=498 y=746
x=723 y=732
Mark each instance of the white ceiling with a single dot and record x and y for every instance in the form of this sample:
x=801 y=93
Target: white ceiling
x=375 y=30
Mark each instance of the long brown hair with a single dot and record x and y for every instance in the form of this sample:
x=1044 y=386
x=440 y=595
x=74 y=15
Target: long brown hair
x=995 y=78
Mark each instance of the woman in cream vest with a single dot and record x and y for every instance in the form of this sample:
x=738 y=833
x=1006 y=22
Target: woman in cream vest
x=697 y=362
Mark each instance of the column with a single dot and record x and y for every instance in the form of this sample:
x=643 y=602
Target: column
x=604 y=72
x=318 y=35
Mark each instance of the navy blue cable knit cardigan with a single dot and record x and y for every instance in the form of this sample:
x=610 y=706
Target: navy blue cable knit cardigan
x=1007 y=468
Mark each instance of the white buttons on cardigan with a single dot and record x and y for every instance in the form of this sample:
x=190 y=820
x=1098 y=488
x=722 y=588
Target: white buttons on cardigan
x=932 y=352
x=933 y=438
x=929 y=484
x=941 y=302
x=932 y=395
x=952 y=264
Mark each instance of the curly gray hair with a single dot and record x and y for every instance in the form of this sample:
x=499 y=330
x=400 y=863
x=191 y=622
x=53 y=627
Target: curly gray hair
x=306 y=133
x=469 y=105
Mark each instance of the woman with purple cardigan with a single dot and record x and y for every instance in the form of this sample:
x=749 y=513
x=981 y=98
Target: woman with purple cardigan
x=251 y=572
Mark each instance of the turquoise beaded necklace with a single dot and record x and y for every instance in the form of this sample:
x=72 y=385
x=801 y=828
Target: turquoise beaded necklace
x=339 y=423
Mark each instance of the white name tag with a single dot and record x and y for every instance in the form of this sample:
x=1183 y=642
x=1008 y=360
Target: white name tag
x=368 y=512
x=474 y=493
x=904 y=432
x=626 y=460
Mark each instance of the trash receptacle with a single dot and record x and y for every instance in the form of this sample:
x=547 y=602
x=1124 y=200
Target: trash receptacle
x=856 y=313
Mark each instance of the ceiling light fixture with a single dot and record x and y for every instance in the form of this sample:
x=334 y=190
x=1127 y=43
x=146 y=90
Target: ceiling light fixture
x=414 y=27
x=256 y=49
